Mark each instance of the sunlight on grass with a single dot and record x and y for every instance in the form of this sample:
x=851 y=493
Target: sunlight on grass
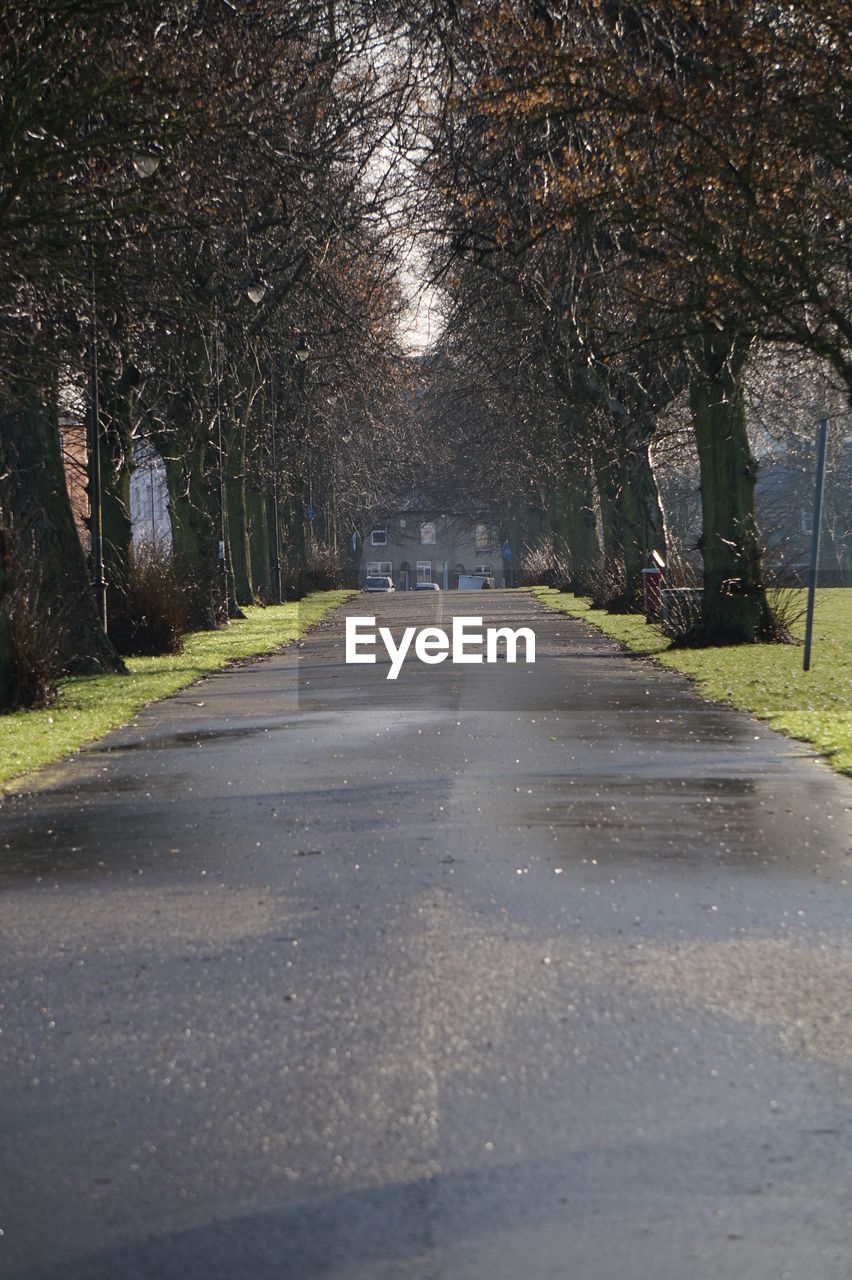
x=88 y=706
x=765 y=679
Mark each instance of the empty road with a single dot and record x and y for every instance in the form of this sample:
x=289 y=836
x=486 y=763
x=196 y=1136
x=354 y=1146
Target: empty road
x=535 y=970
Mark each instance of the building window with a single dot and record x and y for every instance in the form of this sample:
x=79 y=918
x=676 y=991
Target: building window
x=428 y=534
x=379 y=568
x=380 y=537
x=424 y=570
x=483 y=537
x=483 y=569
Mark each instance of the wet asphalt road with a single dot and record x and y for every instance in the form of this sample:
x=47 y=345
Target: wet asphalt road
x=490 y=972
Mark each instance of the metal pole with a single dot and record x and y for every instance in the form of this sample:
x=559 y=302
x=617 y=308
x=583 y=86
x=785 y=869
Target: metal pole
x=95 y=504
x=334 y=504
x=223 y=568
x=96 y=512
x=820 y=480
x=276 y=557
x=306 y=524
x=151 y=483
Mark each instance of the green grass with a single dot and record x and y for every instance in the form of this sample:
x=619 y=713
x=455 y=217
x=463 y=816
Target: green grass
x=87 y=707
x=765 y=679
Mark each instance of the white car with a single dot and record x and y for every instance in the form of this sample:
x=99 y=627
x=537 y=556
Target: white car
x=426 y=586
x=378 y=583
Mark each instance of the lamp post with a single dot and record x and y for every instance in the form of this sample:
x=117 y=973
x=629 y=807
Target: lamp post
x=94 y=425
x=145 y=163
x=276 y=535
x=301 y=352
x=822 y=435
x=256 y=291
x=300 y=355
x=220 y=471
x=338 y=437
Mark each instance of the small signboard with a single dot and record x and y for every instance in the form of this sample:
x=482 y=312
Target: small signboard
x=309 y=513
x=506 y=551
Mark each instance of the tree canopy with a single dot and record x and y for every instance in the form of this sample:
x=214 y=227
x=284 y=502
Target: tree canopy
x=618 y=204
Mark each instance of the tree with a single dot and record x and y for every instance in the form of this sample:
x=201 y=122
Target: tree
x=269 y=125
x=646 y=137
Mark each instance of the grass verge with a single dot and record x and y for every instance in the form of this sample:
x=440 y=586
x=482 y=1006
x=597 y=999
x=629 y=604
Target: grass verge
x=765 y=679
x=87 y=707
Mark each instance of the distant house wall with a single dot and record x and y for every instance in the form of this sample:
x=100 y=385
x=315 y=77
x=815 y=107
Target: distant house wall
x=784 y=497
x=461 y=545
x=75 y=460
x=149 y=498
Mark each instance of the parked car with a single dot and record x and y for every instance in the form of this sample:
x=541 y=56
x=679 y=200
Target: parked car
x=475 y=582
x=378 y=583
x=426 y=586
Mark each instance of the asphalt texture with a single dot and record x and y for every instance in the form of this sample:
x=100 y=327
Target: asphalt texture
x=490 y=971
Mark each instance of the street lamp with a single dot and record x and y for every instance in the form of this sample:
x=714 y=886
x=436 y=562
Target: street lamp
x=145 y=163
x=339 y=435
x=301 y=353
x=276 y=545
x=220 y=470
x=822 y=436
x=256 y=290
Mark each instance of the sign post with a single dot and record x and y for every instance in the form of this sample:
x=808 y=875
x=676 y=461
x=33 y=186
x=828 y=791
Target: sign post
x=820 y=481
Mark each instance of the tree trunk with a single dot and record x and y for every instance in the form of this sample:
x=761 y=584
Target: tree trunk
x=237 y=517
x=260 y=549
x=194 y=539
x=574 y=525
x=44 y=557
x=642 y=524
x=735 y=607
x=117 y=398
x=610 y=591
x=294 y=538
x=191 y=461
x=7 y=668
x=237 y=411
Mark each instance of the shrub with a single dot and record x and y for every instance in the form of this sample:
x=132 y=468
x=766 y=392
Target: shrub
x=684 y=622
x=201 y=583
x=541 y=565
x=322 y=570
x=152 y=612
x=31 y=635
x=34 y=637
x=789 y=606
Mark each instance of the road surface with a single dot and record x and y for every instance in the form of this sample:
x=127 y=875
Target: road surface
x=486 y=972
